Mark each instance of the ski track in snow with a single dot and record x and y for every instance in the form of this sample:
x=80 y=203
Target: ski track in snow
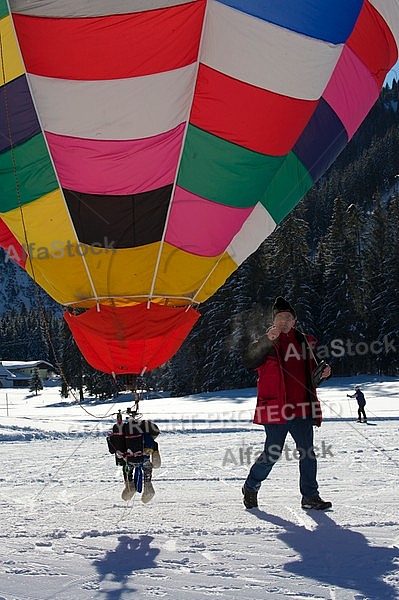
x=66 y=534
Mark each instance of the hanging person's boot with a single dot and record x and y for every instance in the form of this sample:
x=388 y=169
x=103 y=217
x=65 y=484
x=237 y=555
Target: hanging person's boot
x=148 y=488
x=128 y=491
x=156 y=459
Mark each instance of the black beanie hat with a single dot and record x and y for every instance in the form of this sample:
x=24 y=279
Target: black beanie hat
x=281 y=305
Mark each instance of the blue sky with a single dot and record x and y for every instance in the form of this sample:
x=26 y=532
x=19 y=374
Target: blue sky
x=393 y=74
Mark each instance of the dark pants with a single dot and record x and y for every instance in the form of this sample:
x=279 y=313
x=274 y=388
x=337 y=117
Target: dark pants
x=302 y=432
x=361 y=412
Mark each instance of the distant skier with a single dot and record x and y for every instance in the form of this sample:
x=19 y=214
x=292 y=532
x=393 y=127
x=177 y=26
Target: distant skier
x=361 y=403
x=136 y=451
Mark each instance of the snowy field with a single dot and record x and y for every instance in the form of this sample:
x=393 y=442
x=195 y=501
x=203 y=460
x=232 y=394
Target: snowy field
x=67 y=534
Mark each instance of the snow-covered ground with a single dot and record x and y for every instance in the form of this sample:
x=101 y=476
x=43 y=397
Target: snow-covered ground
x=67 y=534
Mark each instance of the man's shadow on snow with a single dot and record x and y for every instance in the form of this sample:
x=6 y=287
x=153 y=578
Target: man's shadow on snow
x=337 y=556
x=130 y=555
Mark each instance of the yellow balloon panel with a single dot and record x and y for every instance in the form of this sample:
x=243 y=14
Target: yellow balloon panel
x=11 y=62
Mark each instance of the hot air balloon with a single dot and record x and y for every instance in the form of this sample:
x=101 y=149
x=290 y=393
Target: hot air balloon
x=148 y=147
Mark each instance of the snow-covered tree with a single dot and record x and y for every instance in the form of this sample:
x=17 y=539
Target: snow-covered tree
x=36 y=383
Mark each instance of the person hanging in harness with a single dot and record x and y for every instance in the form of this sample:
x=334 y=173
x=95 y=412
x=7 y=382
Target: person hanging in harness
x=361 y=403
x=136 y=451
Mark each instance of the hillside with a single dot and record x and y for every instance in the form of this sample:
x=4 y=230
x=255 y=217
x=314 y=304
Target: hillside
x=336 y=256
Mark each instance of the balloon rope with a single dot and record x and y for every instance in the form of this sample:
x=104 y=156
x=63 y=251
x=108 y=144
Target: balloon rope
x=187 y=123
x=207 y=277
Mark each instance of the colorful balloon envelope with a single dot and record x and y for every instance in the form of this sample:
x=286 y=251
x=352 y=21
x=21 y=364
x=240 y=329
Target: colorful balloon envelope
x=148 y=147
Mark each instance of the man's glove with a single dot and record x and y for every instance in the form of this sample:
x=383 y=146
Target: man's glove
x=317 y=376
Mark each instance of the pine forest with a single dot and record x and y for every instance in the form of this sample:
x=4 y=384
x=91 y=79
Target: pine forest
x=335 y=257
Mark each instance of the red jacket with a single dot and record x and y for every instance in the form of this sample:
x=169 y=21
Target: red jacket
x=272 y=404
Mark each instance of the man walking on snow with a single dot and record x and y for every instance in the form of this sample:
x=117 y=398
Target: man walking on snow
x=286 y=403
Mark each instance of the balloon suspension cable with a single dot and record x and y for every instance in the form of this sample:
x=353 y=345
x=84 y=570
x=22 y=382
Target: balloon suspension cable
x=179 y=160
x=133 y=412
x=210 y=273
x=321 y=364
x=138 y=394
x=311 y=351
x=130 y=412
